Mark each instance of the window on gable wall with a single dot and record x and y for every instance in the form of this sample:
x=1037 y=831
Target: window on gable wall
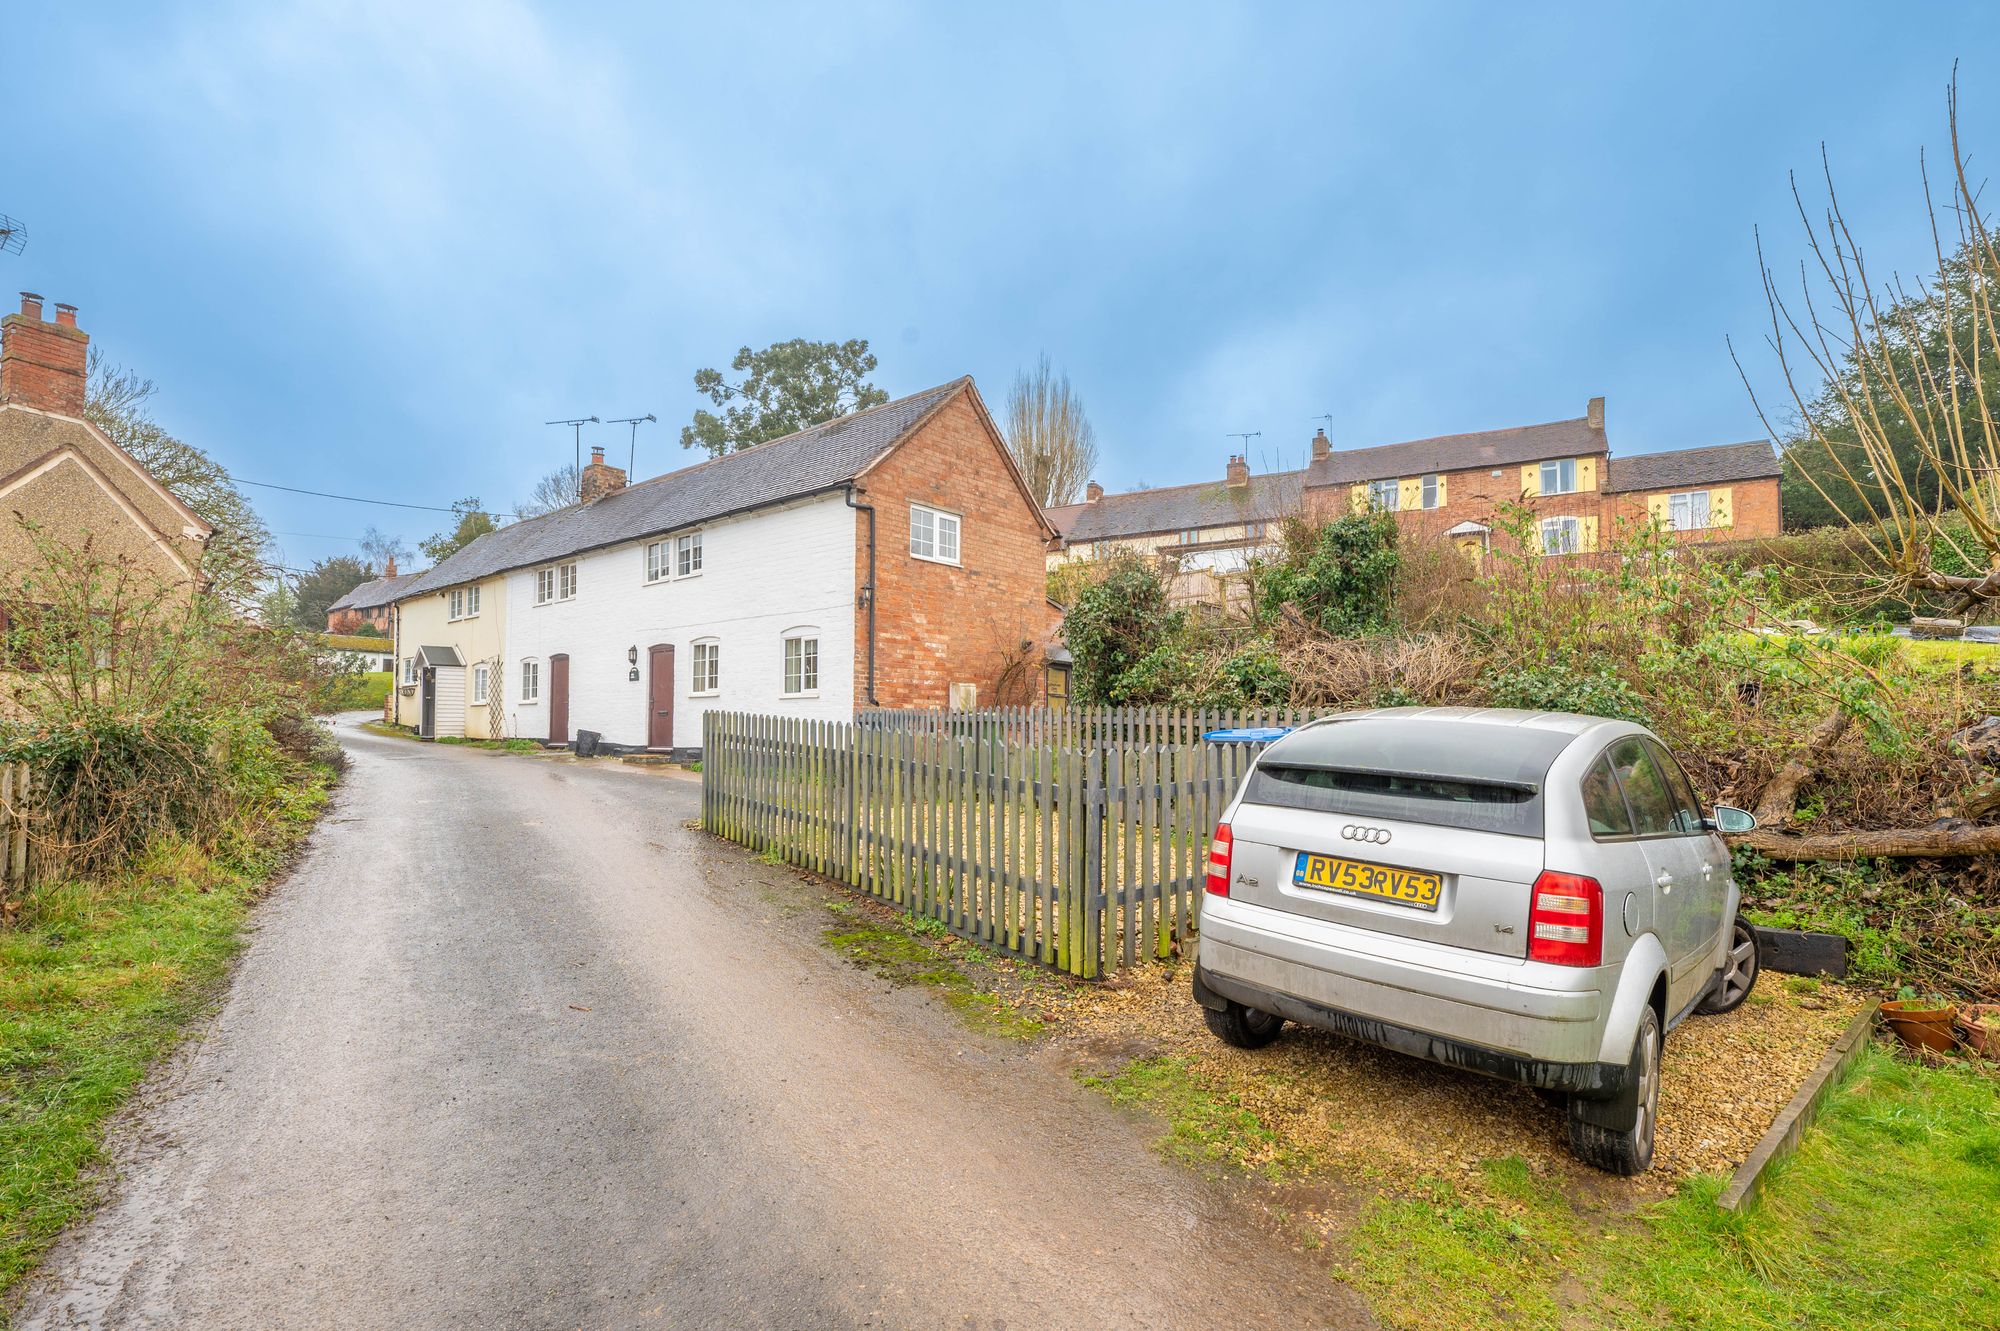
x=1689 y=511
x=687 y=555
x=1431 y=491
x=1559 y=478
x=933 y=534
x=1384 y=495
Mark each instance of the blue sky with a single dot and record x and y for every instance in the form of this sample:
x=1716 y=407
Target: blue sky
x=369 y=247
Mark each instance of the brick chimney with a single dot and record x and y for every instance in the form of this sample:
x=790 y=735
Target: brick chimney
x=43 y=364
x=600 y=478
x=1593 y=415
x=1092 y=493
x=1322 y=446
x=389 y=568
x=1239 y=472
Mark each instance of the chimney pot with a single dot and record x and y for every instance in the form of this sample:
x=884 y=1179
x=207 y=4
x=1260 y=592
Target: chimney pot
x=43 y=365
x=600 y=478
x=31 y=305
x=596 y=454
x=1092 y=493
x=1322 y=446
x=66 y=315
x=1593 y=415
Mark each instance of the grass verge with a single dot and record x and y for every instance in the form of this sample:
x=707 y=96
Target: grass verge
x=367 y=691
x=906 y=951
x=1888 y=1216
x=98 y=980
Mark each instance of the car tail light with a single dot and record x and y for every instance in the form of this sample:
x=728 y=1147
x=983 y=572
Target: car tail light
x=1219 y=849
x=1566 y=920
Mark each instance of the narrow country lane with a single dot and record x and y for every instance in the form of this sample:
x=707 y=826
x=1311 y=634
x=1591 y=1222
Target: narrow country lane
x=515 y=1048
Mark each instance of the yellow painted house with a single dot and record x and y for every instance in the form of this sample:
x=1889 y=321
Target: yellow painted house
x=450 y=640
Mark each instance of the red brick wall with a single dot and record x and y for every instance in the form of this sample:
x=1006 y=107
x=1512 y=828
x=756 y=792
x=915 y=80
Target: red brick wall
x=1757 y=513
x=42 y=363
x=938 y=625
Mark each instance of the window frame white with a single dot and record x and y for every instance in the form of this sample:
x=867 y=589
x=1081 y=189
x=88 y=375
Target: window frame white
x=1686 y=499
x=937 y=518
x=705 y=652
x=1573 y=526
x=555 y=582
x=409 y=670
x=481 y=675
x=688 y=556
x=455 y=607
x=566 y=581
x=662 y=569
x=1430 y=486
x=1560 y=465
x=806 y=638
x=472 y=601
x=1385 y=495
x=531 y=681
x=545 y=585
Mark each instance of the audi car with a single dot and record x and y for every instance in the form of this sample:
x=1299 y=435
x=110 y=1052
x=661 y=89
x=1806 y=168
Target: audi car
x=1535 y=896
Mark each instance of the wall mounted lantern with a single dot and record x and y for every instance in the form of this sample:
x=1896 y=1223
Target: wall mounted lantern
x=632 y=655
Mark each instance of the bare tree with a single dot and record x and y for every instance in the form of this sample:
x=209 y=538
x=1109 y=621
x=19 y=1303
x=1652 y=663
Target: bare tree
x=1900 y=434
x=559 y=489
x=1050 y=435
x=378 y=547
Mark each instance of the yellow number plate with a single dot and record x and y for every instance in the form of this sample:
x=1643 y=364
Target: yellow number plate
x=1369 y=880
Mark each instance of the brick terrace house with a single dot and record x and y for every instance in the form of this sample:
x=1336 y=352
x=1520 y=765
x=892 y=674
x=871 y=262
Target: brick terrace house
x=1450 y=487
x=64 y=475
x=370 y=604
x=892 y=557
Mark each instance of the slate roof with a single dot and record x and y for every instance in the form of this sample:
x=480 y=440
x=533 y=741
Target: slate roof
x=1210 y=504
x=1684 y=467
x=1459 y=452
x=376 y=592
x=807 y=462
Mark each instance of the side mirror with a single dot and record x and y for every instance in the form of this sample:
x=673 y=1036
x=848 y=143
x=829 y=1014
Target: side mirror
x=1732 y=821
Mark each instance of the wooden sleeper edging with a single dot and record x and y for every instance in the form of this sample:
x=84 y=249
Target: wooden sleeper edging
x=1785 y=1131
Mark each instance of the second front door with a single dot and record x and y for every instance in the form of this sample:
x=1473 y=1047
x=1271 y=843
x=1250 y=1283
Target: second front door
x=660 y=698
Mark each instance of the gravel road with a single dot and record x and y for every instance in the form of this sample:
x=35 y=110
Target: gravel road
x=513 y=1047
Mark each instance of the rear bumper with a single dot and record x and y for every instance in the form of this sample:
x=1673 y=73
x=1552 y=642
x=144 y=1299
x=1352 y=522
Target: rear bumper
x=1485 y=1014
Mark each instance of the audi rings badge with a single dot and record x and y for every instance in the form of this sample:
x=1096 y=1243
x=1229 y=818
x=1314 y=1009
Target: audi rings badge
x=1374 y=836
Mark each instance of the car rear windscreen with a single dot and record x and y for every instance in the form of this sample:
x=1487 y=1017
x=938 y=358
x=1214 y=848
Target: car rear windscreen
x=1480 y=777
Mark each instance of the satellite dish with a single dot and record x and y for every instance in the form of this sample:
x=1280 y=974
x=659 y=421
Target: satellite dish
x=13 y=236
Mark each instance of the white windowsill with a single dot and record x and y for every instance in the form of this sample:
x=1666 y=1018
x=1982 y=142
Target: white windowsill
x=707 y=693
x=933 y=559
x=792 y=697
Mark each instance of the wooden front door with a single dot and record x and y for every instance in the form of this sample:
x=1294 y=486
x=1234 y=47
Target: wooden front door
x=559 y=699
x=660 y=698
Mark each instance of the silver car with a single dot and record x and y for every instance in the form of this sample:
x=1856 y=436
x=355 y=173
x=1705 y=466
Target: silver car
x=1536 y=896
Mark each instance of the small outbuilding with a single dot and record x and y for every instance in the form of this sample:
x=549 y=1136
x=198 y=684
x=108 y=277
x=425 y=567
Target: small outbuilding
x=441 y=692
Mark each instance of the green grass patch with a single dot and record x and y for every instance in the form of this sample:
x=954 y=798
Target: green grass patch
x=1888 y=1216
x=1204 y=1126
x=907 y=952
x=498 y=745
x=388 y=730
x=97 y=980
x=367 y=690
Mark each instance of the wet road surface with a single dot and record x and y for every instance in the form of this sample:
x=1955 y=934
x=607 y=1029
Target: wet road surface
x=515 y=1048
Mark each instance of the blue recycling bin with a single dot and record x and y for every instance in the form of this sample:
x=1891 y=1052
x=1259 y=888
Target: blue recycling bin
x=1247 y=735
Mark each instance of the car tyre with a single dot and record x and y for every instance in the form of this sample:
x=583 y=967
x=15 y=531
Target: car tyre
x=1244 y=1027
x=1738 y=975
x=1616 y=1135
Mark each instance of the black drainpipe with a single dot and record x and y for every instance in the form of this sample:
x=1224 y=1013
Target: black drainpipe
x=868 y=587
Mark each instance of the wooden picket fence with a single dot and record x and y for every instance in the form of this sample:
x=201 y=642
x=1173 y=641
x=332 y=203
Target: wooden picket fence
x=1072 y=837
x=14 y=779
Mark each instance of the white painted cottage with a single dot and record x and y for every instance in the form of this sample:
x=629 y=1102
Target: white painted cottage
x=875 y=560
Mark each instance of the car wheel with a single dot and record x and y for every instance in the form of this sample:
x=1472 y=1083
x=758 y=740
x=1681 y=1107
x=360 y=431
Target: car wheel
x=1244 y=1027
x=1738 y=974
x=1616 y=1135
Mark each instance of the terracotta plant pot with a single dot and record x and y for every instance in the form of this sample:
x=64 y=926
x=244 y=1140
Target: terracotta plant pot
x=1980 y=1024
x=1921 y=1023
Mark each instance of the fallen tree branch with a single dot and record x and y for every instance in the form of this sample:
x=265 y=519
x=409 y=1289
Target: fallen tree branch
x=1903 y=843
x=1781 y=797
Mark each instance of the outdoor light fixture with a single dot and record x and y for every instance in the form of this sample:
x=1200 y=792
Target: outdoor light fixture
x=632 y=655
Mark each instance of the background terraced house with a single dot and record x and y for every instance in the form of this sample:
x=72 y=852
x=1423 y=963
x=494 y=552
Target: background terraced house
x=1450 y=488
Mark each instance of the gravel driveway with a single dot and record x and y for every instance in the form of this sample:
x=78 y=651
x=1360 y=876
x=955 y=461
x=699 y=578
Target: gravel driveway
x=514 y=1048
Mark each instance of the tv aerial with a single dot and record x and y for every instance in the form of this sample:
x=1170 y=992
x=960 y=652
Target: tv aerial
x=633 y=421
x=1246 y=436
x=13 y=236
x=577 y=423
